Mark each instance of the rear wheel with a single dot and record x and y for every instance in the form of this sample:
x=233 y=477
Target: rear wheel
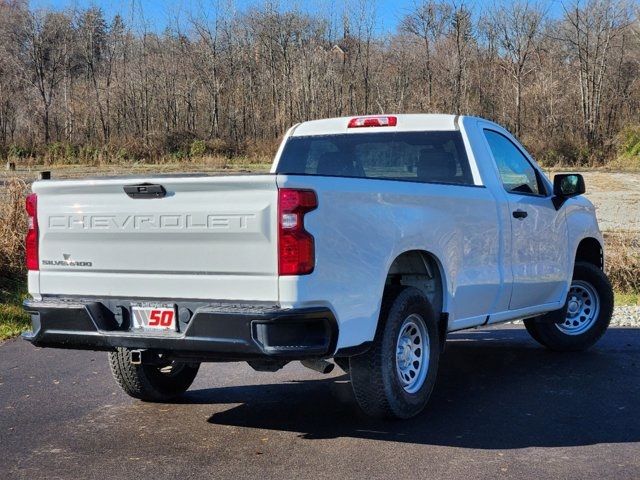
x=152 y=383
x=589 y=309
x=396 y=376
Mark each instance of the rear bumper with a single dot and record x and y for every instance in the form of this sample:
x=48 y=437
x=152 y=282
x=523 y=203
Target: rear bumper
x=214 y=331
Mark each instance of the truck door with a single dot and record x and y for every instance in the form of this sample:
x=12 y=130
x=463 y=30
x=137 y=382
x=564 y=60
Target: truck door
x=539 y=239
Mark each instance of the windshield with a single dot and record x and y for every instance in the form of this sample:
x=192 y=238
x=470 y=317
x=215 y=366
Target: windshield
x=429 y=157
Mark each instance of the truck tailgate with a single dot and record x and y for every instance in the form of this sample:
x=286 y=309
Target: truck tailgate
x=207 y=238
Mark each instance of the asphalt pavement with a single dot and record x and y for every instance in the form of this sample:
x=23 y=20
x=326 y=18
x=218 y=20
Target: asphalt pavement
x=503 y=408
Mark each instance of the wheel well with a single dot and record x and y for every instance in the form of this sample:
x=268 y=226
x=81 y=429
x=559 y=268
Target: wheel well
x=420 y=269
x=590 y=250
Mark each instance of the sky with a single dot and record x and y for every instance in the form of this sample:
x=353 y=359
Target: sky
x=158 y=14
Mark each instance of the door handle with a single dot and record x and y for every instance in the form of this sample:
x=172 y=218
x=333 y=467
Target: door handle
x=520 y=214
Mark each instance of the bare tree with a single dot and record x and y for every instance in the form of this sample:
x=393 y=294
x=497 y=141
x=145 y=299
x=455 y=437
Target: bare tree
x=92 y=36
x=233 y=81
x=462 y=35
x=12 y=14
x=44 y=36
x=517 y=27
x=588 y=31
x=428 y=22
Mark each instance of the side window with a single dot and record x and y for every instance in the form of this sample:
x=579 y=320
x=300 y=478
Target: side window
x=517 y=174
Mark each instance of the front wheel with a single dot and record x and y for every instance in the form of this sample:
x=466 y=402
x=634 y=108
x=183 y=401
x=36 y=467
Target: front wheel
x=589 y=309
x=159 y=382
x=396 y=376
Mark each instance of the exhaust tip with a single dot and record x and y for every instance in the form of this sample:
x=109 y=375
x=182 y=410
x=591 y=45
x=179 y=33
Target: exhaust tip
x=318 y=365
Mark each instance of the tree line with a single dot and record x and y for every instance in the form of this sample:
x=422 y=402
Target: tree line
x=74 y=83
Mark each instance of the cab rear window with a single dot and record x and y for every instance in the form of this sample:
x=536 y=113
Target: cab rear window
x=428 y=157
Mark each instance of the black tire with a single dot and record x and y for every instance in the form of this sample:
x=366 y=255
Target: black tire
x=531 y=325
x=375 y=379
x=553 y=335
x=149 y=382
x=343 y=363
x=555 y=316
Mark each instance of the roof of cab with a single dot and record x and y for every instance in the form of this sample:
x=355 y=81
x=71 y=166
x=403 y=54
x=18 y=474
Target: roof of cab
x=406 y=122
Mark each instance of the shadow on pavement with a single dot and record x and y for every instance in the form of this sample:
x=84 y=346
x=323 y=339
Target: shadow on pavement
x=496 y=390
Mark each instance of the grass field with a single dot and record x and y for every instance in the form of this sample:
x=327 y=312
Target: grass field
x=13 y=320
x=627 y=298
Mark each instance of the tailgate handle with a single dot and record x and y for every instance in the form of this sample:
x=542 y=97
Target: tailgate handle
x=145 y=190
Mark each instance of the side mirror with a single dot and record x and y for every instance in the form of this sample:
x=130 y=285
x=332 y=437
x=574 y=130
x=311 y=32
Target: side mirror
x=566 y=185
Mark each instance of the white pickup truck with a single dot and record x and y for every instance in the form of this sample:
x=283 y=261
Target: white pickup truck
x=370 y=239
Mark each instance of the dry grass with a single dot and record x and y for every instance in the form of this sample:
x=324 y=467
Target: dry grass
x=13 y=225
x=123 y=165
x=623 y=260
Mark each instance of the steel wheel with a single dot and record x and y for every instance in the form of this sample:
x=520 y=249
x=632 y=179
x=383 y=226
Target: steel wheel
x=583 y=308
x=585 y=316
x=412 y=353
x=395 y=377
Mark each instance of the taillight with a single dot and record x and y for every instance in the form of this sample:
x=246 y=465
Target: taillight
x=31 y=240
x=378 y=121
x=296 y=253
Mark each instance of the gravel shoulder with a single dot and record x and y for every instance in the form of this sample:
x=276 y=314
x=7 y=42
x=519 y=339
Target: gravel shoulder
x=626 y=316
x=616 y=196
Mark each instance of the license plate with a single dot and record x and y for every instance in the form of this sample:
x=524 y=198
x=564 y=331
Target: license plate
x=156 y=317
